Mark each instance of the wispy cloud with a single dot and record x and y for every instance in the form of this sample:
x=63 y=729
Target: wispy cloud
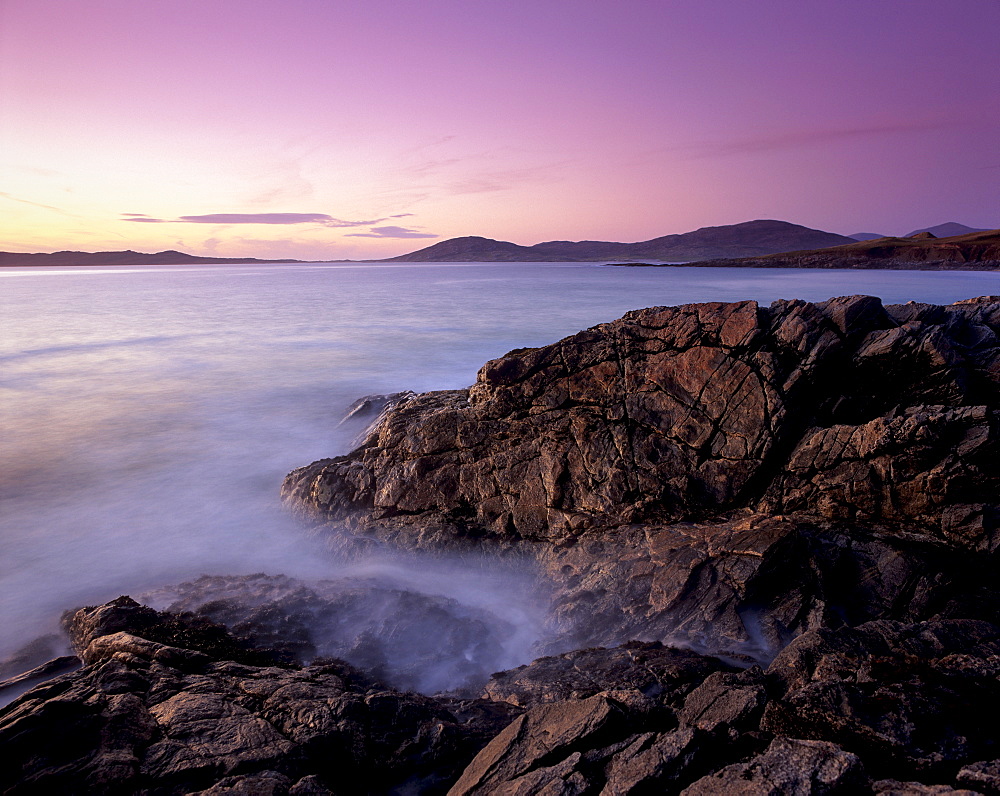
x=391 y=232
x=37 y=204
x=799 y=139
x=321 y=219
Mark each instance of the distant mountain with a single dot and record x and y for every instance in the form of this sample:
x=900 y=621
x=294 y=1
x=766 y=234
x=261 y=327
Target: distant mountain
x=749 y=239
x=866 y=236
x=947 y=230
x=976 y=251
x=169 y=257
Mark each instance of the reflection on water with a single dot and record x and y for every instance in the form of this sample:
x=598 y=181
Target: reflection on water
x=150 y=414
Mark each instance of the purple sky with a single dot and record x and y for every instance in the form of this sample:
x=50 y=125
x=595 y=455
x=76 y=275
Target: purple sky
x=329 y=129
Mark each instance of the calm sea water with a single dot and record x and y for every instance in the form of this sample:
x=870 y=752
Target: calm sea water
x=149 y=414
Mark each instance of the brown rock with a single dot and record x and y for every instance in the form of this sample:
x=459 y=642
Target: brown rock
x=788 y=768
x=846 y=409
x=545 y=736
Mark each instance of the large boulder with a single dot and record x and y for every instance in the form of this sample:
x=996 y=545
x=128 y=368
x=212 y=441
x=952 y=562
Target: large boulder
x=844 y=409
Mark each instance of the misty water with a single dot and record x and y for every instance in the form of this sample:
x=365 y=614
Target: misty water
x=150 y=414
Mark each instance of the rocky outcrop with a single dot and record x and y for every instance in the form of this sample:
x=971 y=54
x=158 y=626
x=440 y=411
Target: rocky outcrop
x=793 y=509
x=845 y=409
x=886 y=707
x=744 y=586
x=145 y=716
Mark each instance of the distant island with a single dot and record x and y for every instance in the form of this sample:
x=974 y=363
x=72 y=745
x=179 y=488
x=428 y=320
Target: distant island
x=922 y=251
x=169 y=257
x=751 y=244
x=947 y=230
x=749 y=239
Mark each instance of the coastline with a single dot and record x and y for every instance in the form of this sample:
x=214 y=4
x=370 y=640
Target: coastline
x=700 y=472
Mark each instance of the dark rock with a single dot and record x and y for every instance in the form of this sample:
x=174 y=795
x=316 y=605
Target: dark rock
x=183 y=636
x=788 y=768
x=726 y=701
x=908 y=699
x=546 y=743
x=983 y=777
x=746 y=585
x=141 y=715
x=410 y=640
x=673 y=412
x=35 y=653
x=657 y=762
x=660 y=673
x=892 y=787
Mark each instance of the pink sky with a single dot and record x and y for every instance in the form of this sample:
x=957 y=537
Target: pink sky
x=368 y=129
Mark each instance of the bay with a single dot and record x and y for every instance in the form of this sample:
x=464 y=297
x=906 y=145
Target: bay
x=149 y=414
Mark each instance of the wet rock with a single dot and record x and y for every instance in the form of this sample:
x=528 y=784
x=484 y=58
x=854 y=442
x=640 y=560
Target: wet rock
x=674 y=412
x=660 y=673
x=789 y=767
x=45 y=671
x=142 y=714
x=411 y=640
x=33 y=654
x=908 y=699
x=983 y=776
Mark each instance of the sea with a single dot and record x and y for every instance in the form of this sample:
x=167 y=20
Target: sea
x=149 y=414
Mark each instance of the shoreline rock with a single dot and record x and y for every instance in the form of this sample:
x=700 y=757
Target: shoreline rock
x=806 y=491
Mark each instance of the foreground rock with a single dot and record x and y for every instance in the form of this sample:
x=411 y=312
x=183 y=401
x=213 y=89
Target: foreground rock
x=723 y=475
x=845 y=409
x=887 y=707
x=807 y=491
x=146 y=716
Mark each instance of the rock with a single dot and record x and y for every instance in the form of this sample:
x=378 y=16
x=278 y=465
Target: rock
x=789 y=767
x=657 y=761
x=908 y=699
x=892 y=787
x=659 y=673
x=266 y=783
x=47 y=670
x=983 y=776
x=724 y=701
x=33 y=654
x=675 y=412
x=145 y=715
x=547 y=736
x=809 y=487
x=745 y=585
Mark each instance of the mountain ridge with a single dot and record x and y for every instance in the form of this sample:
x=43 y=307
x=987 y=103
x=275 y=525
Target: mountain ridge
x=746 y=239
x=978 y=251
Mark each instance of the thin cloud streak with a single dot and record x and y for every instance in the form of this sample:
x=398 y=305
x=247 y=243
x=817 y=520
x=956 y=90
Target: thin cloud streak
x=391 y=232
x=259 y=218
x=796 y=140
x=59 y=210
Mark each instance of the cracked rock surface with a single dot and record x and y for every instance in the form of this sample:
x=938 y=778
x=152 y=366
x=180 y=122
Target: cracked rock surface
x=845 y=409
x=770 y=542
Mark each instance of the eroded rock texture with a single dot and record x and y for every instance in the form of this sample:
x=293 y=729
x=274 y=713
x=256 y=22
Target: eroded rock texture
x=844 y=409
x=806 y=491
x=145 y=716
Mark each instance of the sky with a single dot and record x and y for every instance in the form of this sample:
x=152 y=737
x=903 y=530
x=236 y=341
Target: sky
x=328 y=129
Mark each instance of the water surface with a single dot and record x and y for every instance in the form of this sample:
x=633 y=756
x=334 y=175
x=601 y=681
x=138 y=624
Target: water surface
x=149 y=414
